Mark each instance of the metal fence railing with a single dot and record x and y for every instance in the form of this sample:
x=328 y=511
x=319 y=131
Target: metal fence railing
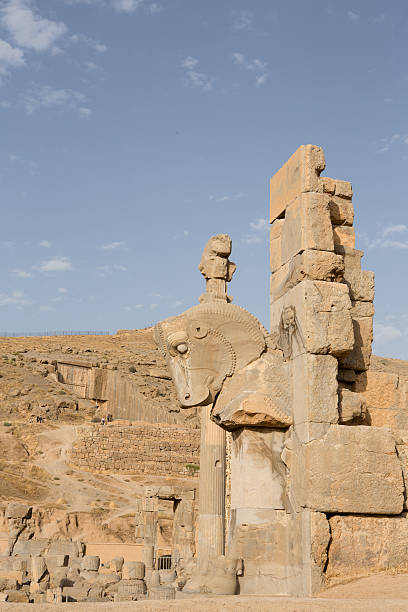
x=55 y=333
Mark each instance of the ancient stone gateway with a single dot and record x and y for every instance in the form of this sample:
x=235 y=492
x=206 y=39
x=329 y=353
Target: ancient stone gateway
x=306 y=463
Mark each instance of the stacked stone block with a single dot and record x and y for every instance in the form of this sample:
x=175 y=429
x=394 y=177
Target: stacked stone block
x=162 y=450
x=321 y=318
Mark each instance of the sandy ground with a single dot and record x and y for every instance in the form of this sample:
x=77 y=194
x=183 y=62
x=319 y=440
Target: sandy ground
x=375 y=593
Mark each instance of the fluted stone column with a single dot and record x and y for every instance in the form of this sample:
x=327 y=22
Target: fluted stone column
x=211 y=533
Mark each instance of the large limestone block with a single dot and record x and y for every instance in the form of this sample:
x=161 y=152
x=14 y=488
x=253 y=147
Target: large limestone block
x=360 y=284
x=283 y=555
x=298 y=175
x=380 y=389
x=313 y=317
x=275 y=244
x=359 y=358
x=341 y=211
x=309 y=265
x=350 y=469
x=341 y=189
x=362 y=545
x=307 y=226
x=257 y=471
x=344 y=236
x=314 y=381
x=351 y=406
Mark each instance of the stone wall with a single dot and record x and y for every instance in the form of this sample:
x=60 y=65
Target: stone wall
x=119 y=393
x=141 y=448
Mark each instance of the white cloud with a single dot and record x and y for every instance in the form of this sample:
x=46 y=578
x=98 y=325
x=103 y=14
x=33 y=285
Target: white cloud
x=84 y=112
x=225 y=198
x=392 y=229
x=46 y=308
x=257 y=66
x=108 y=269
x=113 y=245
x=242 y=21
x=10 y=57
x=384 y=242
x=44 y=96
x=16 y=297
x=384 y=333
x=153 y=306
x=259 y=228
x=62 y=290
x=259 y=225
x=129 y=6
x=18 y=273
x=193 y=77
x=91 y=66
x=353 y=16
x=57 y=264
x=29 y=29
x=93 y=44
x=45 y=243
x=385 y=144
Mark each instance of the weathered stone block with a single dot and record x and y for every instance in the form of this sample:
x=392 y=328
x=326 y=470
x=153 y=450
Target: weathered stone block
x=344 y=235
x=341 y=211
x=275 y=244
x=362 y=545
x=18 y=511
x=380 y=389
x=307 y=226
x=309 y=265
x=351 y=406
x=298 y=175
x=313 y=317
x=362 y=309
x=360 y=284
x=257 y=471
x=350 y=469
x=314 y=380
x=359 y=358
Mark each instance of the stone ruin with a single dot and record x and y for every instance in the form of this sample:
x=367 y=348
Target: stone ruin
x=301 y=483
x=314 y=486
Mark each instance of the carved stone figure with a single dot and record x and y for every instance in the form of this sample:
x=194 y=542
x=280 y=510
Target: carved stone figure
x=220 y=354
x=216 y=268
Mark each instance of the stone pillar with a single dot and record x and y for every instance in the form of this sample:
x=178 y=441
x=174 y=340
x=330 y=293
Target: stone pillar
x=321 y=316
x=211 y=538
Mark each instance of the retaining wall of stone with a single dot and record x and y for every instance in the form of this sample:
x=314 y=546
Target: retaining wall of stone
x=140 y=448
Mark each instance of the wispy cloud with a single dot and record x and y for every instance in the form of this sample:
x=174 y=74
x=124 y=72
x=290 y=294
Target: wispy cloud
x=92 y=43
x=16 y=297
x=259 y=228
x=385 y=144
x=385 y=332
x=193 y=77
x=45 y=243
x=135 y=307
x=226 y=198
x=46 y=308
x=113 y=245
x=386 y=240
x=28 y=29
x=57 y=264
x=257 y=66
x=62 y=290
x=352 y=16
x=19 y=273
x=242 y=21
x=45 y=96
x=108 y=269
x=130 y=6
x=10 y=57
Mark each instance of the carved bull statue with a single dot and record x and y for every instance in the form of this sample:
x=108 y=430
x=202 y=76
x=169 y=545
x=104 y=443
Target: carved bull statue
x=218 y=353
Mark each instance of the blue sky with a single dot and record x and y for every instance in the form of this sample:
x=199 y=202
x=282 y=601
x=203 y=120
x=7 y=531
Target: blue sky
x=132 y=130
